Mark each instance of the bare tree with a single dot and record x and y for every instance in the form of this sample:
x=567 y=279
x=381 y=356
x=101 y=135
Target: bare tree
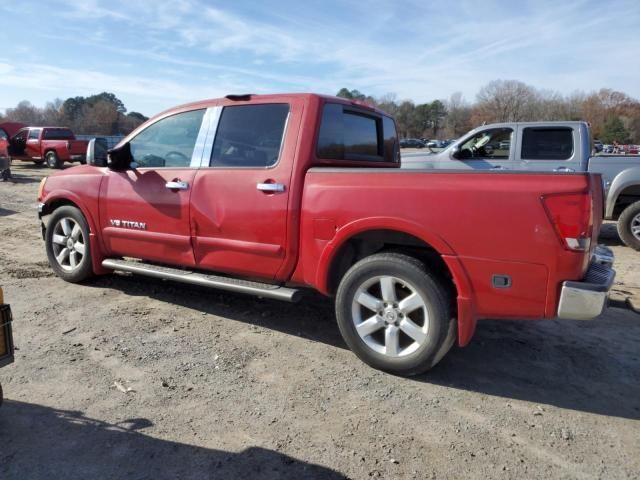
x=25 y=112
x=458 y=119
x=506 y=101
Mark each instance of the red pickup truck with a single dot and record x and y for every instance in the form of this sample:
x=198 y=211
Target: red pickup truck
x=54 y=145
x=278 y=193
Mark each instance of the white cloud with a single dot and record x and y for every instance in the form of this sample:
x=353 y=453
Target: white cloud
x=420 y=50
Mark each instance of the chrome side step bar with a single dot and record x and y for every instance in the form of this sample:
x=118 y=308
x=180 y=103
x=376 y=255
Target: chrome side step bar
x=196 y=278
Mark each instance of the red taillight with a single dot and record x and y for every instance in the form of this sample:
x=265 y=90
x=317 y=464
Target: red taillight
x=572 y=217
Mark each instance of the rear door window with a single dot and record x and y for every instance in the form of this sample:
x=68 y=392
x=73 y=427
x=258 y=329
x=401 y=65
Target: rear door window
x=34 y=134
x=352 y=134
x=250 y=135
x=547 y=143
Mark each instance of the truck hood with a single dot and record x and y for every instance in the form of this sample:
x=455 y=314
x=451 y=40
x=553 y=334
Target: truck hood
x=422 y=160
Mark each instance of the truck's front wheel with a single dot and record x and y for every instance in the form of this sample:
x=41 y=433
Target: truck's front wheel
x=629 y=225
x=394 y=315
x=67 y=244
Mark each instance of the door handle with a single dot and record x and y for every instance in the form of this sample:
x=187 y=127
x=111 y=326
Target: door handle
x=176 y=185
x=270 y=187
x=564 y=169
x=499 y=167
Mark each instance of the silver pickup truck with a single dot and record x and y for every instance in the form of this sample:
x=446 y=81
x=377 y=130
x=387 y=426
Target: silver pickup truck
x=546 y=146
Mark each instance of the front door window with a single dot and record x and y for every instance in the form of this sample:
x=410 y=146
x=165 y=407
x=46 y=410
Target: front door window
x=488 y=144
x=169 y=142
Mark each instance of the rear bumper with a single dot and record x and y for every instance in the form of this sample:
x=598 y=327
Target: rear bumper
x=588 y=298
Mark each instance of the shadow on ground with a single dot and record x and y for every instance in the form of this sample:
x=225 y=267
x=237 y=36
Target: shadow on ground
x=609 y=235
x=586 y=366
x=38 y=442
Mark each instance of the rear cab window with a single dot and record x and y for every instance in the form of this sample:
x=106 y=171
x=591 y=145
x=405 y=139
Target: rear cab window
x=356 y=135
x=57 y=134
x=547 y=143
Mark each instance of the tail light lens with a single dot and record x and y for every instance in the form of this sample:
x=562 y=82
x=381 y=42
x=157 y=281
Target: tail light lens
x=572 y=217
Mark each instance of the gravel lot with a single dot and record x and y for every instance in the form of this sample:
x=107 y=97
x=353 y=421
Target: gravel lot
x=229 y=386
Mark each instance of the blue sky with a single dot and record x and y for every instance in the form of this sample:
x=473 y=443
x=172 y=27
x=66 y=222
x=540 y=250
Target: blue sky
x=154 y=54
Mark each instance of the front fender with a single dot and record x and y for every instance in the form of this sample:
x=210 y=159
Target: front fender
x=67 y=197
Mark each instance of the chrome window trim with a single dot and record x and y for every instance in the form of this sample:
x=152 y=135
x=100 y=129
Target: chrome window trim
x=201 y=146
x=213 y=120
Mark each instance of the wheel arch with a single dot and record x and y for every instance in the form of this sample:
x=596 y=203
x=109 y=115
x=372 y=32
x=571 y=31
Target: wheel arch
x=59 y=199
x=624 y=190
x=365 y=237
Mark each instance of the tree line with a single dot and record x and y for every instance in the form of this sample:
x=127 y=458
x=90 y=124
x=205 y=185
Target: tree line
x=101 y=114
x=614 y=116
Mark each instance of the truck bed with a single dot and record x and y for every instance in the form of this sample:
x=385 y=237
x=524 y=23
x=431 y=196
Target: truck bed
x=482 y=223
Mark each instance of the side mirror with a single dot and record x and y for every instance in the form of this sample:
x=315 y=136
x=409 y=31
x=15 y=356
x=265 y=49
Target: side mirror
x=120 y=158
x=97 y=152
x=455 y=153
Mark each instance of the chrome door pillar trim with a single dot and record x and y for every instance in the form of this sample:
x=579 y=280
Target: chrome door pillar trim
x=201 y=140
x=210 y=126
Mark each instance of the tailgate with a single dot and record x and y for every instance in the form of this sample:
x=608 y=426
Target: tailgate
x=78 y=147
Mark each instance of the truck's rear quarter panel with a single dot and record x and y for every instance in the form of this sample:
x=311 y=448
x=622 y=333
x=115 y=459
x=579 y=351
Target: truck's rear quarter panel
x=489 y=223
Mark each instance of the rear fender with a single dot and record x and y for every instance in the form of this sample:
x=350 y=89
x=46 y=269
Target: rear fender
x=350 y=230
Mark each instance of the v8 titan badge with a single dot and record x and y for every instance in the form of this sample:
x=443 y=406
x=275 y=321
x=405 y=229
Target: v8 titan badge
x=128 y=224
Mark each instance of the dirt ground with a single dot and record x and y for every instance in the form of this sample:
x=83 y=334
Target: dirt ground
x=229 y=386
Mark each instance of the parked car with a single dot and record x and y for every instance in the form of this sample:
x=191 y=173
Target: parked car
x=53 y=145
x=548 y=146
x=5 y=160
x=269 y=195
x=434 y=144
x=607 y=148
x=597 y=145
x=411 y=143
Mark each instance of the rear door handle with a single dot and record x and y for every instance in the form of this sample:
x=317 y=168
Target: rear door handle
x=177 y=185
x=270 y=187
x=564 y=169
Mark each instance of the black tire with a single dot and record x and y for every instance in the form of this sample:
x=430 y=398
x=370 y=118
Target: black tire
x=52 y=160
x=83 y=268
x=411 y=275
x=628 y=222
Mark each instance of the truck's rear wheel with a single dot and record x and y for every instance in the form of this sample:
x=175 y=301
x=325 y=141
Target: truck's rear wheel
x=629 y=225
x=52 y=160
x=393 y=314
x=67 y=244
